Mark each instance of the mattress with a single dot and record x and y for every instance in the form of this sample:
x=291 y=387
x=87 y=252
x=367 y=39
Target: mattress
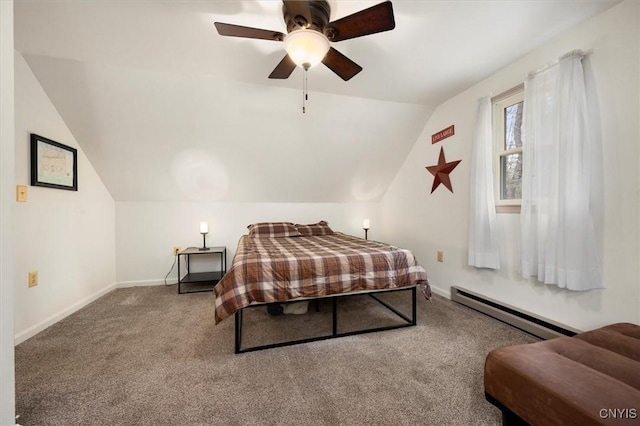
x=270 y=270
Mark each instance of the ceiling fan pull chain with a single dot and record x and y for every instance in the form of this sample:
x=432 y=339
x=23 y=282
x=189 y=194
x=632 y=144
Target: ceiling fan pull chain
x=304 y=91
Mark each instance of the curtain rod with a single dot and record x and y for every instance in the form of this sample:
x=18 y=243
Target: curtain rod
x=569 y=55
x=520 y=87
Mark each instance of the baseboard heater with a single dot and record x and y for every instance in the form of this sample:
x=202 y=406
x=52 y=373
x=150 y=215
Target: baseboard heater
x=532 y=324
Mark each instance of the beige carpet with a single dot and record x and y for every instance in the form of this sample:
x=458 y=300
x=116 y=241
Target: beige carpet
x=148 y=356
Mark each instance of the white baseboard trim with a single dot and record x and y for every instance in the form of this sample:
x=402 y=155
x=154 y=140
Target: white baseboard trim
x=33 y=330
x=145 y=283
x=440 y=292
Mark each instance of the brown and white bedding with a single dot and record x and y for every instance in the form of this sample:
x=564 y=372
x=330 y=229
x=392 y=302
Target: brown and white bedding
x=267 y=269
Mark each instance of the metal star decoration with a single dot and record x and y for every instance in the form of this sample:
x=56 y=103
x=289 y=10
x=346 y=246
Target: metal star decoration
x=441 y=172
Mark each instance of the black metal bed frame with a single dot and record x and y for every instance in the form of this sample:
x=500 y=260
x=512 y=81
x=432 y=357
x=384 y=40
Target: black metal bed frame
x=408 y=322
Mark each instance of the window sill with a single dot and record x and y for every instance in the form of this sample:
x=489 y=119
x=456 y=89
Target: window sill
x=508 y=209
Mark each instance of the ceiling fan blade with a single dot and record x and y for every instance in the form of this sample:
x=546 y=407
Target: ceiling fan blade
x=284 y=69
x=247 y=32
x=340 y=64
x=373 y=20
x=297 y=8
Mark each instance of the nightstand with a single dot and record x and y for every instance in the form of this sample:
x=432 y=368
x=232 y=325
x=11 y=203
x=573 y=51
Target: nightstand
x=196 y=282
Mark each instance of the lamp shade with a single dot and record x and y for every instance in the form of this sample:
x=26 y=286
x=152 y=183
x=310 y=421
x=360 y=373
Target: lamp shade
x=306 y=48
x=365 y=224
x=204 y=227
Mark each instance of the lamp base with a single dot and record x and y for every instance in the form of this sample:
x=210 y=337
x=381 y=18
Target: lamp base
x=204 y=242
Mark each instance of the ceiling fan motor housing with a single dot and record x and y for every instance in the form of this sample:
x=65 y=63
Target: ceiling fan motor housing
x=320 y=12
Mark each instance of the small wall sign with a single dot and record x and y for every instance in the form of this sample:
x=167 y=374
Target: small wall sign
x=442 y=134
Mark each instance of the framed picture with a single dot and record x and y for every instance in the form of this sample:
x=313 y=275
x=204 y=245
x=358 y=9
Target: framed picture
x=53 y=165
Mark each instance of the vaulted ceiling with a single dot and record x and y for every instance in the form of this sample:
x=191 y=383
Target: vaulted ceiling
x=166 y=109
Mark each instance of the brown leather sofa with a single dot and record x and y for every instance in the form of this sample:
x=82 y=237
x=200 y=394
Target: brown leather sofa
x=588 y=379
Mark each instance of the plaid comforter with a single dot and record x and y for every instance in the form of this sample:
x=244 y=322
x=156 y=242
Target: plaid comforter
x=266 y=270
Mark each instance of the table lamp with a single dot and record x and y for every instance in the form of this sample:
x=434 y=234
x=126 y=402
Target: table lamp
x=365 y=226
x=204 y=230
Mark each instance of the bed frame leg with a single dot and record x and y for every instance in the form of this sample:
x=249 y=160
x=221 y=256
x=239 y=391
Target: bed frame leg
x=238 y=330
x=414 y=310
x=335 y=315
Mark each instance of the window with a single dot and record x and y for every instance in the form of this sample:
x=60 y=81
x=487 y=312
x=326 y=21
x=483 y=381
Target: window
x=507 y=130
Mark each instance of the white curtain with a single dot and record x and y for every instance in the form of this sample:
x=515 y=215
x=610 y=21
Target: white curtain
x=483 y=232
x=558 y=238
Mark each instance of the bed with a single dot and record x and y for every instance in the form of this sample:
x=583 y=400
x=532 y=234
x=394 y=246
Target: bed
x=279 y=262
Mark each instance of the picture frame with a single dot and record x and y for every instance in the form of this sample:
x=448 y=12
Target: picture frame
x=53 y=165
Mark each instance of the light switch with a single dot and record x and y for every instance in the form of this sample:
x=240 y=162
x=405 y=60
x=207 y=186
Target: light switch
x=21 y=193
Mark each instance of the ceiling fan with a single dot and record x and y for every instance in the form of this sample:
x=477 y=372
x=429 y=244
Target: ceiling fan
x=309 y=33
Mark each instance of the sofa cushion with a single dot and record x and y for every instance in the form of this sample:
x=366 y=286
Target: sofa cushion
x=622 y=338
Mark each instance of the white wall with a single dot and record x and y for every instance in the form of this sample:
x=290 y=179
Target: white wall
x=146 y=232
x=425 y=222
x=7 y=200
x=68 y=237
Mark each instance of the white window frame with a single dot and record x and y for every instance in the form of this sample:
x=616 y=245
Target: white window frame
x=499 y=104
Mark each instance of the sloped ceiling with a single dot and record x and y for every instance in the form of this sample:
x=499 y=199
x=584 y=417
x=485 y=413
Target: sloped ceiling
x=166 y=109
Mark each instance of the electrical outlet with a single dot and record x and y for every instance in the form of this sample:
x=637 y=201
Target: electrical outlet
x=440 y=256
x=33 y=279
x=176 y=250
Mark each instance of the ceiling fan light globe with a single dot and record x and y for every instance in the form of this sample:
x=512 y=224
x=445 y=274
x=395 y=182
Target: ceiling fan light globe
x=306 y=48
